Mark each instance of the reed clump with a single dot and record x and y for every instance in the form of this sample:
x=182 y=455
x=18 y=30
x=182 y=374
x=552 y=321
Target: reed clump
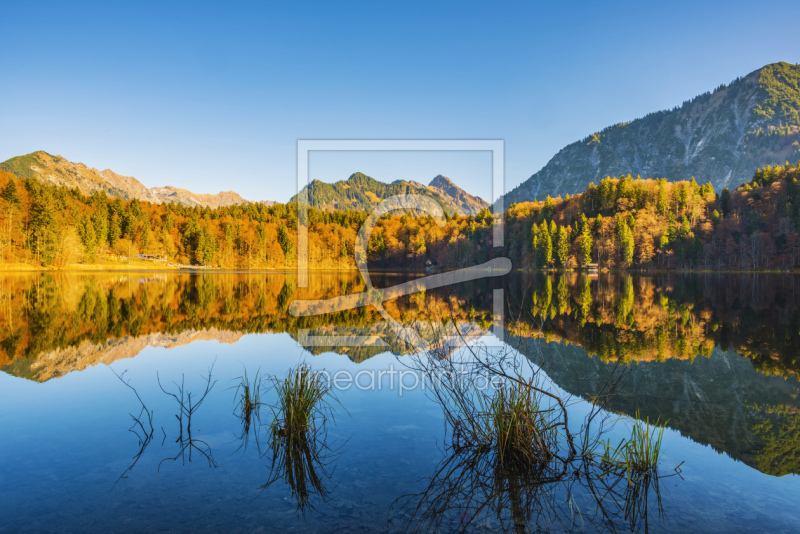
x=512 y=455
x=298 y=434
x=247 y=393
x=507 y=421
x=639 y=453
x=304 y=402
x=518 y=426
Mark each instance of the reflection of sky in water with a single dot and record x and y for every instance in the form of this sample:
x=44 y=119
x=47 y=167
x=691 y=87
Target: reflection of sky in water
x=64 y=443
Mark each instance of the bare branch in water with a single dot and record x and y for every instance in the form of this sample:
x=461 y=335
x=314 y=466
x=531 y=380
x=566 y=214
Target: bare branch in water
x=187 y=408
x=142 y=426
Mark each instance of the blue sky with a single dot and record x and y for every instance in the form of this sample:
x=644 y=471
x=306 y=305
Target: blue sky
x=213 y=97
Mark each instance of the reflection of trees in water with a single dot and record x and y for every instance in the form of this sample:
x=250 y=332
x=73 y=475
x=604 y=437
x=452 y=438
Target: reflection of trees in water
x=646 y=318
x=641 y=318
x=73 y=309
x=669 y=316
x=780 y=433
x=662 y=324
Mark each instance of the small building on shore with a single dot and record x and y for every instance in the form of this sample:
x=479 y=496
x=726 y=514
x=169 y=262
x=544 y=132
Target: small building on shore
x=432 y=266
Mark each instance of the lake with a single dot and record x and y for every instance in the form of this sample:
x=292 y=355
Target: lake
x=716 y=357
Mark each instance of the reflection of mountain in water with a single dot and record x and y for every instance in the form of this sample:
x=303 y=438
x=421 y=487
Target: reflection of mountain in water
x=719 y=401
x=59 y=362
x=360 y=343
x=672 y=330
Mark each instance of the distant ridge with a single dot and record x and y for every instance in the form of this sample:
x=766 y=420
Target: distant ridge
x=362 y=192
x=720 y=137
x=59 y=171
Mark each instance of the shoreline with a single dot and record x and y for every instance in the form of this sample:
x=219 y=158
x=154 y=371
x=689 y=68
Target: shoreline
x=135 y=267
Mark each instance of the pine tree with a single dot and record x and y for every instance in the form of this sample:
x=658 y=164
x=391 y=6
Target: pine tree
x=44 y=228
x=584 y=223
x=206 y=247
x=725 y=202
x=545 y=246
x=562 y=248
x=191 y=237
x=287 y=246
x=585 y=246
x=10 y=193
x=99 y=220
x=549 y=208
x=686 y=228
x=626 y=244
x=662 y=203
x=88 y=236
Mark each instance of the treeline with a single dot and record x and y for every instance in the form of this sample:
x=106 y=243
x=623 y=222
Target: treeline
x=625 y=223
x=621 y=223
x=47 y=225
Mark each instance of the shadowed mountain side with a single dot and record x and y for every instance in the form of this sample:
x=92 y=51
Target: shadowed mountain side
x=723 y=136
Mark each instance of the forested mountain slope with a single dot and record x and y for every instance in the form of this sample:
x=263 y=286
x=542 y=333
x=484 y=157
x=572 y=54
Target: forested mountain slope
x=362 y=192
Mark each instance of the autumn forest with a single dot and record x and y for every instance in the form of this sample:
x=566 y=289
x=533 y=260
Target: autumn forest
x=621 y=223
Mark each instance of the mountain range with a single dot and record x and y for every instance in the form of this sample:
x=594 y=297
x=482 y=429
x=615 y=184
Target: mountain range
x=720 y=137
x=59 y=171
x=359 y=192
x=362 y=192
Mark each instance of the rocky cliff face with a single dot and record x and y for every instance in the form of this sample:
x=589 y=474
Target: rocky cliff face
x=59 y=171
x=720 y=137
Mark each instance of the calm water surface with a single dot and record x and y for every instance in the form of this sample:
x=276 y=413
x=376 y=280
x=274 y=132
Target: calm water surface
x=715 y=356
